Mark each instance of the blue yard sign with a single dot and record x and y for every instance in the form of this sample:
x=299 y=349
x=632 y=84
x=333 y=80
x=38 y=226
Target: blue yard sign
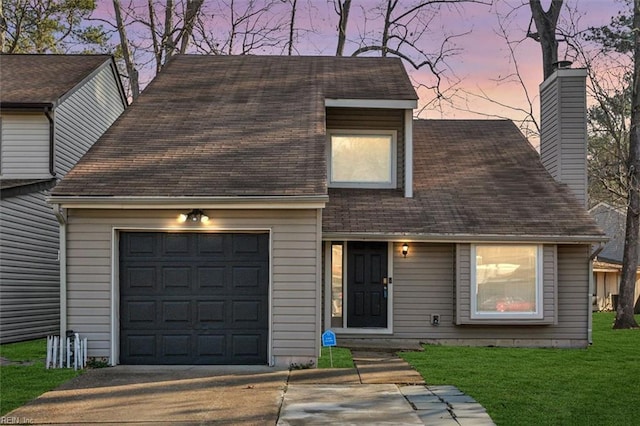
x=329 y=339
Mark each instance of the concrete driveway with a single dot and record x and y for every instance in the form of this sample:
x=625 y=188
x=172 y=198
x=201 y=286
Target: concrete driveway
x=162 y=394
x=382 y=389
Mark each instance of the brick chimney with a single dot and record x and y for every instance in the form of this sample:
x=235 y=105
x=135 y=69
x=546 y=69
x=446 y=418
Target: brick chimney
x=563 y=124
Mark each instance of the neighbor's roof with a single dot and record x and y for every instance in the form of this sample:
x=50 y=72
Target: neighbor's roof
x=43 y=79
x=231 y=126
x=471 y=178
x=613 y=222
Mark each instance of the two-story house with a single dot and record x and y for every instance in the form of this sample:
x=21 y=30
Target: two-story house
x=52 y=109
x=243 y=205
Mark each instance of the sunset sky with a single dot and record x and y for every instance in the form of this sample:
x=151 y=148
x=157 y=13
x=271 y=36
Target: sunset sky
x=481 y=58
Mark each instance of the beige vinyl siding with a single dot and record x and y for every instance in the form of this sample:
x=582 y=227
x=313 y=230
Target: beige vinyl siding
x=372 y=119
x=29 y=287
x=294 y=236
x=25 y=146
x=84 y=116
x=424 y=284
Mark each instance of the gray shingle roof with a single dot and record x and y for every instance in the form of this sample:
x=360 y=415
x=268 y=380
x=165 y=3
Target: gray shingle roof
x=471 y=177
x=40 y=79
x=613 y=221
x=231 y=126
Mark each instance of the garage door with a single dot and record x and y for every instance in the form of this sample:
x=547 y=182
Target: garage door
x=193 y=298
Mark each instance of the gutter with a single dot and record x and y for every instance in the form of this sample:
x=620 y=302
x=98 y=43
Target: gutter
x=462 y=238
x=164 y=203
x=61 y=215
x=48 y=113
x=594 y=254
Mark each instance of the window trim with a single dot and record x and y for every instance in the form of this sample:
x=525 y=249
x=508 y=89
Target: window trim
x=392 y=184
x=473 y=293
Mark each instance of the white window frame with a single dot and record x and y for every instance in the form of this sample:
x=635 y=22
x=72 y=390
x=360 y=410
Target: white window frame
x=473 y=291
x=393 y=158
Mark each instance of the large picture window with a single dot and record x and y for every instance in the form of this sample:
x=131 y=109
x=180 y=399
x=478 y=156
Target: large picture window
x=362 y=159
x=506 y=281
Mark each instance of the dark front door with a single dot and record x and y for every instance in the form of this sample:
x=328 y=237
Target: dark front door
x=194 y=298
x=366 y=284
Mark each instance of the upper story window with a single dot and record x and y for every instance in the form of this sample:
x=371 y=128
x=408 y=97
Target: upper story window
x=362 y=159
x=506 y=281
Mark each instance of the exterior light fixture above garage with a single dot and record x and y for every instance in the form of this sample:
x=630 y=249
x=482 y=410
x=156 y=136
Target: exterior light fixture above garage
x=195 y=215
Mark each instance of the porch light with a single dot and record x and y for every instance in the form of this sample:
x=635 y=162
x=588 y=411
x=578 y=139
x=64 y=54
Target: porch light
x=195 y=215
x=405 y=249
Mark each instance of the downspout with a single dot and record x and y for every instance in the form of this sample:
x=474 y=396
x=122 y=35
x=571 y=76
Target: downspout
x=52 y=166
x=595 y=253
x=61 y=215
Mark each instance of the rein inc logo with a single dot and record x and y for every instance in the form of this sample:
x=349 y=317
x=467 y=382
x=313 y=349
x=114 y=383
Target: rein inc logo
x=16 y=421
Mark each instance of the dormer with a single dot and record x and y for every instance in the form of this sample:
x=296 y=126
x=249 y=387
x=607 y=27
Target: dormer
x=370 y=144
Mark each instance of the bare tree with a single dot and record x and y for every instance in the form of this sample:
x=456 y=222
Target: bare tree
x=190 y=16
x=624 y=311
x=132 y=72
x=546 y=25
x=342 y=9
x=292 y=27
x=405 y=29
x=3 y=28
x=241 y=28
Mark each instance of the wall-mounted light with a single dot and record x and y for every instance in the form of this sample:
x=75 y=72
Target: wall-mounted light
x=405 y=249
x=195 y=215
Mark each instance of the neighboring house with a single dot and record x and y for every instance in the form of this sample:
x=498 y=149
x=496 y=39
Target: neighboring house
x=607 y=266
x=52 y=109
x=245 y=204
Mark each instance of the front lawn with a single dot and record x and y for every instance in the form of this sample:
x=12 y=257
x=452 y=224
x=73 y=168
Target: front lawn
x=599 y=385
x=21 y=383
x=341 y=358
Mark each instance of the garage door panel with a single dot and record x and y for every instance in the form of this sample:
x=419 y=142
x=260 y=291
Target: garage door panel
x=143 y=277
x=210 y=313
x=141 y=346
x=211 y=278
x=177 y=312
x=141 y=245
x=176 y=278
x=246 y=311
x=246 y=345
x=139 y=313
x=176 y=244
x=176 y=345
x=212 y=345
x=194 y=298
x=210 y=244
x=246 y=276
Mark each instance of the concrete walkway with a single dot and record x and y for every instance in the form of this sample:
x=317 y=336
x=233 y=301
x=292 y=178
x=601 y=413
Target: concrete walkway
x=382 y=389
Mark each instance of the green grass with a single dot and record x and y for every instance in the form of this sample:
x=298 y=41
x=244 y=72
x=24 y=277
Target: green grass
x=341 y=358
x=598 y=386
x=20 y=384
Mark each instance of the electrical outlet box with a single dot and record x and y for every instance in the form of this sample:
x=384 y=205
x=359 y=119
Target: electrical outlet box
x=435 y=319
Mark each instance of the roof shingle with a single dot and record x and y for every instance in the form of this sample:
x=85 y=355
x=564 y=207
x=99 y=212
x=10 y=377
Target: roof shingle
x=43 y=79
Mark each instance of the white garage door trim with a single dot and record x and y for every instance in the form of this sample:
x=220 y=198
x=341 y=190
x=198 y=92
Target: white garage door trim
x=115 y=278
